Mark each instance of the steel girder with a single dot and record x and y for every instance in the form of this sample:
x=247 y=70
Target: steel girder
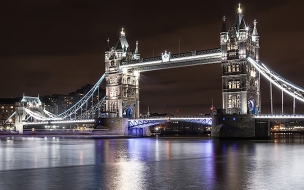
x=83 y=100
x=94 y=109
x=285 y=85
x=6 y=121
x=154 y=121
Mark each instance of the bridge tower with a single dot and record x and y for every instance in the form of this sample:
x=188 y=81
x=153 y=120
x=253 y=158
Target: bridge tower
x=122 y=92
x=240 y=80
x=33 y=104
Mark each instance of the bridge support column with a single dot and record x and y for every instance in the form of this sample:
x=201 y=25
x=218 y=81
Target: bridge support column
x=242 y=126
x=112 y=126
x=19 y=117
x=146 y=132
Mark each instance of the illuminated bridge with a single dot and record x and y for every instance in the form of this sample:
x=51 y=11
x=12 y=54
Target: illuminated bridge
x=238 y=56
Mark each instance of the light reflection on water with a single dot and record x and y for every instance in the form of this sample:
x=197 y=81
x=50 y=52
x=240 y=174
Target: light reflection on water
x=151 y=163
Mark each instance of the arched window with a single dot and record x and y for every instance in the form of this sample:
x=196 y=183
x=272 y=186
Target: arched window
x=112 y=63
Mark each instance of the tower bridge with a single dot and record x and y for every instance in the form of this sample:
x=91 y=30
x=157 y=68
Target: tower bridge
x=238 y=55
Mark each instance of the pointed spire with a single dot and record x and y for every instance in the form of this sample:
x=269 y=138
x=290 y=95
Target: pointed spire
x=118 y=45
x=136 y=49
x=108 y=45
x=255 y=31
x=242 y=25
x=238 y=18
x=224 y=25
x=123 y=41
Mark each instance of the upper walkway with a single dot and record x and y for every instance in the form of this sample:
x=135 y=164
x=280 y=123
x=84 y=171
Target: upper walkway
x=175 y=60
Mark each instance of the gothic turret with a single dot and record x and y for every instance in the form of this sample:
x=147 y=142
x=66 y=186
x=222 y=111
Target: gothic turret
x=136 y=54
x=107 y=52
x=224 y=38
x=255 y=39
x=242 y=38
x=240 y=81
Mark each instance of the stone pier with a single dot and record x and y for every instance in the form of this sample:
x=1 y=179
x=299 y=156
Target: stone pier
x=239 y=126
x=119 y=127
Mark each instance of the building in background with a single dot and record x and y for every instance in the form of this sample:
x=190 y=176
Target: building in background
x=7 y=108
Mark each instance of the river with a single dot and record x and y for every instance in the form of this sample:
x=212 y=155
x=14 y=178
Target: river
x=151 y=163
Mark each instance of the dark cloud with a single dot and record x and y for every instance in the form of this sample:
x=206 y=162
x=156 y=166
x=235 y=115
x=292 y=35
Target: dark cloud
x=55 y=46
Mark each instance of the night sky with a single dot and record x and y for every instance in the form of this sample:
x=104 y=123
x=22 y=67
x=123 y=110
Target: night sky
x=55 y=47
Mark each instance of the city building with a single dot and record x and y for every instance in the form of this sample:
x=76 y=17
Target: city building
x=7 y=108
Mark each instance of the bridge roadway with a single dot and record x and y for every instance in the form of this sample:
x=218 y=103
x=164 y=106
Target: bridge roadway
x=144 y=122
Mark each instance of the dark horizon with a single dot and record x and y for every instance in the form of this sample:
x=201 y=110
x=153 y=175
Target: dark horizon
x=55 y=47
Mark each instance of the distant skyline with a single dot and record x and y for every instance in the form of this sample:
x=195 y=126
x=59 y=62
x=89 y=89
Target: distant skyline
x=55 y=47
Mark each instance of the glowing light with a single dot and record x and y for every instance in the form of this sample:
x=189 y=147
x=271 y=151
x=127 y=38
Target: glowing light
x=122 y=32
x=239 y=9
x=136 y=73
x=247 y=28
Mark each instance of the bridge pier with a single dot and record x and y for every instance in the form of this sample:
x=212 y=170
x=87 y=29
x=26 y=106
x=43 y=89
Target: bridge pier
x=239 y=126
x=19 y=117
x=120 y=127
x=113 y=126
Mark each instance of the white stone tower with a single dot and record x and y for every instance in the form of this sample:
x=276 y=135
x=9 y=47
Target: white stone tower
x=240 y=80
x=122 y=92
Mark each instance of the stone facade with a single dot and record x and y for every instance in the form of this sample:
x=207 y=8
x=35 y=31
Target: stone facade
x=240 y=80
x=239 y=127
x=122 y=91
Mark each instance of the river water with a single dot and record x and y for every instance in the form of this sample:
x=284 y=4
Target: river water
x=151 y=163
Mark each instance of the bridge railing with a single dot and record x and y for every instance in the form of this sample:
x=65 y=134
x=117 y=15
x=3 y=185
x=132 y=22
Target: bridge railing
x=148 y=121
x=174 y=56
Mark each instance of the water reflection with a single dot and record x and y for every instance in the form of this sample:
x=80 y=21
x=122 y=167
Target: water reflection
x=151 y=163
